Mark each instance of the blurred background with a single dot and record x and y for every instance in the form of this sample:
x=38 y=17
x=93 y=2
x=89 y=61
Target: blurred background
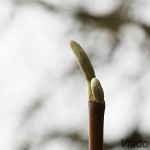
x=43 y=95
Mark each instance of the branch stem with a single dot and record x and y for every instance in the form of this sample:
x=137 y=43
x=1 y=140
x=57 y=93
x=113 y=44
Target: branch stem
x=96 y=98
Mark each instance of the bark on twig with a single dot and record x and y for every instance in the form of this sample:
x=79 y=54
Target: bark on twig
x=96 y=122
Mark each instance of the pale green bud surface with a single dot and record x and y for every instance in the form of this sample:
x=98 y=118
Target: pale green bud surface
x=83 y=61
x=97 y=90
x=94 y=86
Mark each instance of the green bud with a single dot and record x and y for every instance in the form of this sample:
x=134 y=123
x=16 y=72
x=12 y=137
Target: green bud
x=83 y=61
x=97 y=90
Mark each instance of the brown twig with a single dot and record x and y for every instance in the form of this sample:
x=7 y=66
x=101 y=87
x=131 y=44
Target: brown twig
x=96 y=98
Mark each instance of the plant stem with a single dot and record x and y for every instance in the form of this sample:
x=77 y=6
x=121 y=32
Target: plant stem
x=96 y=121
x=96 y=98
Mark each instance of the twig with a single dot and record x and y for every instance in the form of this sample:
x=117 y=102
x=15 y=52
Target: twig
x=96 y=98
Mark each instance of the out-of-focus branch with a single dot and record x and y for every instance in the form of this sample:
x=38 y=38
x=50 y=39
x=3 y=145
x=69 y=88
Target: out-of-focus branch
x=76 y=138
x=47 y=6
x=111 y=21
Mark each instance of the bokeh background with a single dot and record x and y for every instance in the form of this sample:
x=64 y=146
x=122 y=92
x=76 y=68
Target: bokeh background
x=43 y=95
